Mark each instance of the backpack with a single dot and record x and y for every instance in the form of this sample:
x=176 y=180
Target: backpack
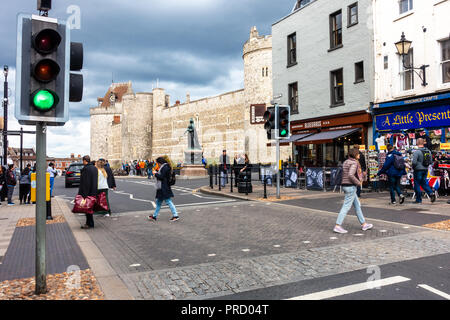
x=399 y=162
x=427 y=159
x=172 y=178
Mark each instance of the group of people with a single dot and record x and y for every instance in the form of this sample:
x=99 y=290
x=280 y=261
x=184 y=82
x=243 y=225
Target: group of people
x=97 y=178
x=8 y=182
x=241 y=164
x=140 y=168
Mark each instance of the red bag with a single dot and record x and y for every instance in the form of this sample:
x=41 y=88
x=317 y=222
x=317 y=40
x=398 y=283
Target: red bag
x=101 y=203
x=84 y=205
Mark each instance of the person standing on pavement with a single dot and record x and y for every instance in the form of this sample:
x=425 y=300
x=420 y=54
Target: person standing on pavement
x=25 y=185
x=163 y=190
x=224 y=167
x=111 y=183
x=351 y=178
x=11 y=181
x=53 y=173
x=88 y=186
x=3 y=186
x=103 y=184
x=422 y=158
x=394 y=172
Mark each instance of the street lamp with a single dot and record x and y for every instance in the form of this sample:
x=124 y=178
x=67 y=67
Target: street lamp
x=403 y=46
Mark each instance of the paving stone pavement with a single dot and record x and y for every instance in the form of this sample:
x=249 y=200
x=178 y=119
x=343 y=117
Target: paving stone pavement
x=232 y=276
x=219 y=250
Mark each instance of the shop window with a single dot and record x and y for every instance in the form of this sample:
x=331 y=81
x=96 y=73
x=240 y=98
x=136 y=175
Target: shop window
x=293 y=97
x=359 y=72
x=336 y=30
x=352 y=14
x=405 y=5
x=292 y=49
x=337 y=87
x=407 y=75
x=445 y=60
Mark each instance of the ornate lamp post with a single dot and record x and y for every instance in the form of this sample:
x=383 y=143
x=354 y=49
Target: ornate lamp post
x=403 y=47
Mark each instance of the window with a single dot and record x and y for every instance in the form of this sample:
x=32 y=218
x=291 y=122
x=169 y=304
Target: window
x=293 y=97
x=353 y=14
x=386 y=62
x=407 y=75
x=301 y=3
x=359 y=72
x=405 y=5
x=337 y=87
x=292 y=49
x=267 y=71
x=445 y=60
x=336 y=29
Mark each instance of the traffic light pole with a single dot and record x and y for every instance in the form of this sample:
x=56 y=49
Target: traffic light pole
x=41 y=207
x=5 y=117
x=277 y=150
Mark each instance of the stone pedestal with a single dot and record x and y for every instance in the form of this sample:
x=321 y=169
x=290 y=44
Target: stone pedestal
x=192 y=171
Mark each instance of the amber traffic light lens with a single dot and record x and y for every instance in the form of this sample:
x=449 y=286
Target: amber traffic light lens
x=47 y=41
x=46 y=70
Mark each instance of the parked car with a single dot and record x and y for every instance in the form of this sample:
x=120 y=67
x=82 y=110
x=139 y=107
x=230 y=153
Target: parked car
x=73 y=174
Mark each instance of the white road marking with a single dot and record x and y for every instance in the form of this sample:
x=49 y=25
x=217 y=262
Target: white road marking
x=306 y=242
x=383 y=231
x=277 y=246
x=135 y=265
x=435 y=291
x=175 y=260
x=358 y=235
x=212 y=255
x=333 y=238
x=351 y=289
x=245 y=250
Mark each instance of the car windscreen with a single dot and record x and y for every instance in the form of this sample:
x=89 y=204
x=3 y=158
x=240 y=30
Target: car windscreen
x=76 y=168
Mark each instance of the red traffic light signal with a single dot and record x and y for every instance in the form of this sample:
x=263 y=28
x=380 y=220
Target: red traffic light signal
x=46 y=70
x=269 y=125
x=46 y=41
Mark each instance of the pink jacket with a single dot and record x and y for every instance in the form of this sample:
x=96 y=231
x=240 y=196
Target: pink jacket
x=351 y=173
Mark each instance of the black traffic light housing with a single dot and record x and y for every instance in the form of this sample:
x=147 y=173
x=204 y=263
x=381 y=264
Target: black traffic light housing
x=284 y=122
x=269 y=124
x=44 y=83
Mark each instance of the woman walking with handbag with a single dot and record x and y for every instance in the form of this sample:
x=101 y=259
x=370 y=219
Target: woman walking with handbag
x=102 y=196
x=163 y=190
x=352 y=177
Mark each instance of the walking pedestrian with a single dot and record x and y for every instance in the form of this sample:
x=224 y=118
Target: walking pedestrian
x=53 y=173
x=394 y=167
x=3 y=186
x=163 y=189
x=351 y=178
x=224 y=167
x=104 y=182
x=25 y=185
x=88 y=186
x=11 y=181
x=362 y=163
x=422 y=158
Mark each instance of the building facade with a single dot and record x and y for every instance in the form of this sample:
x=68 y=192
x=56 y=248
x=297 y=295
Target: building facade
x=128 y=126
x=323 y=62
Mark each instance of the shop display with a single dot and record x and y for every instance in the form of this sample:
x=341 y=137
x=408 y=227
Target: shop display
x=372 y=165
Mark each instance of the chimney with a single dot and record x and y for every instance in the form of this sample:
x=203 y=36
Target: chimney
x=72 y=155
x=177 y=103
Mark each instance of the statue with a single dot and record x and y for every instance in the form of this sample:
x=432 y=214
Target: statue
x=193 y=154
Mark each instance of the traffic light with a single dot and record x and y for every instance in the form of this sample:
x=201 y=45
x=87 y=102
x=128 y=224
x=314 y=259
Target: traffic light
x=269 y=124
x=284 y=119
x=44 y=84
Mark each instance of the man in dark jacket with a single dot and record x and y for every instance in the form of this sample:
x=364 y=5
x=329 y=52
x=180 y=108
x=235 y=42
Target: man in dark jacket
x=88 y=186
x=421 y=172
x=111 y=181
x=393 y=173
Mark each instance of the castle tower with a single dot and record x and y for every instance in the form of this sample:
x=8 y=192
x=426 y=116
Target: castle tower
x=257 y=56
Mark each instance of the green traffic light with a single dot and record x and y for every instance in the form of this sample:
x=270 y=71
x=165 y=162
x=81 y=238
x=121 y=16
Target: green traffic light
x=43 y=100
x=283 y=133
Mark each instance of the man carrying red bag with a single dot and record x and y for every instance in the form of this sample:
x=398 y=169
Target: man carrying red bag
x=87 y=192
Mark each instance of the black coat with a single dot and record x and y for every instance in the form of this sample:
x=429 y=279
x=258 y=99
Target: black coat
x=111 y=179
x=88 y=181
x=166 y=191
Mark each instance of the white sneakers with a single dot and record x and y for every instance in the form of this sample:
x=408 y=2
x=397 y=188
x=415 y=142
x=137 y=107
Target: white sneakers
x=339 y=229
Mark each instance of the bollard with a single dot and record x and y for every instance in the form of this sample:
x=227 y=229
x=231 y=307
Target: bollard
x=211 y=184
x=49 y=210
x=215 y=172
x=265 y=188
x=220 y=179
x=231 y=180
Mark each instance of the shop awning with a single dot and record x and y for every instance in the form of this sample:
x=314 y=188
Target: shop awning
x=297 y=137
x=327 y=136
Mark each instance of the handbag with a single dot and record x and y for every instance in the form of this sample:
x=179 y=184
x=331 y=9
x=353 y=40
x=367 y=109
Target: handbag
x=84 y=205
x=101 y=204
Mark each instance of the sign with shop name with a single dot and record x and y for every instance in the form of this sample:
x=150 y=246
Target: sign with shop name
x=436 y=117
x=445 y=146
x=257 y=113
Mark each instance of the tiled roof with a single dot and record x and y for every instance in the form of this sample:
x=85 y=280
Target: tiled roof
x=119 y=89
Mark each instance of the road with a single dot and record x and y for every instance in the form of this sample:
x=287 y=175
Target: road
x=228 y=249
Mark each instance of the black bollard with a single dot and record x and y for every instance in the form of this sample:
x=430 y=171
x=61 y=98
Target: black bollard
x=220 y=179
x=49 y=210
x=231 y=180
x=211 y=184
x=215 y=172
x=265 y=188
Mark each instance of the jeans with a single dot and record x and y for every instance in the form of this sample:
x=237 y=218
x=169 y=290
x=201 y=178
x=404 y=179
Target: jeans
x=10 y=193
x=358 y=191
x=420 y=180
x=351 y=198
x=223 y=178
x=169 y=203
x=394 y=186
x=52 y=183
x=24 y=191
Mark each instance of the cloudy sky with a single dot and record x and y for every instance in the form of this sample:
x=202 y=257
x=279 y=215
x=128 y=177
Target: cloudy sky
x=191 y=46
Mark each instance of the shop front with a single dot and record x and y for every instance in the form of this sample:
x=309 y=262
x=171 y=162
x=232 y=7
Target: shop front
x=325 y=141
